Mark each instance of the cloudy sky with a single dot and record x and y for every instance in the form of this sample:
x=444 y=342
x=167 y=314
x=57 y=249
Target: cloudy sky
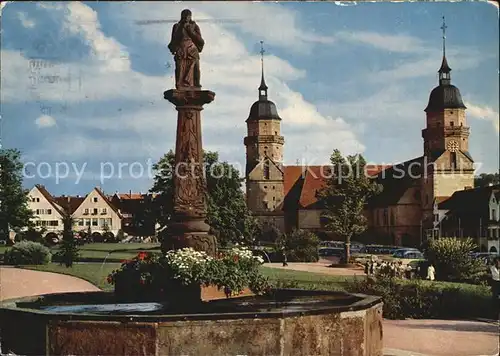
x=82 y=83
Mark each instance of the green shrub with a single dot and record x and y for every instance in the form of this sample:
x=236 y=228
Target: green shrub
x=423 y=299
x=68 y=252
x=28 y=253
x=453 y=262
x=300 y=246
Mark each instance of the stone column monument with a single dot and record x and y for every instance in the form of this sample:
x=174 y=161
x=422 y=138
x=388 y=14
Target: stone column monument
x=188 y=227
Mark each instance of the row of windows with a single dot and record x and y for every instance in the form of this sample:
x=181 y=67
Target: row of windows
x=47 y=223
x=95 y=211
x=43 y=211
x=96 y=222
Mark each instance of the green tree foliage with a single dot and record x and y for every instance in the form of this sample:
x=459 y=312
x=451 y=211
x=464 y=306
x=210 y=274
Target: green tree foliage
x=452 y=260
x=32 y=234
x=299 y=245
x=345 y=195
x=270 y=234
x=227 y=213
x=68 y=252
x=14 y=211
x=485 y=179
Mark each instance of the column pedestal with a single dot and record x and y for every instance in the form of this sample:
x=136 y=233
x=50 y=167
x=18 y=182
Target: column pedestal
x=188 y=227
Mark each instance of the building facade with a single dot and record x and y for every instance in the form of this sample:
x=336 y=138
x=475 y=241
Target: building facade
x=97 y=213
x=47 y=213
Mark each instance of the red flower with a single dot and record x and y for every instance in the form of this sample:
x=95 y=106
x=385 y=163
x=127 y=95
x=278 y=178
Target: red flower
x=141 y=281
x=109 y=279
x=236 y=258
x=142 y=255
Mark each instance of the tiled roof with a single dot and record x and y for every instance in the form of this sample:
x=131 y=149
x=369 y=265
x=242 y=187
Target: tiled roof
x=302 y=183
x=133 y=196
x=470 y=202
x=291 y=175
x=49 y=198
x=396 y=180
x=69 y=203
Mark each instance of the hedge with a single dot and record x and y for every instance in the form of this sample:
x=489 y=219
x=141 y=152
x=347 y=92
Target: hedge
x=419 y=299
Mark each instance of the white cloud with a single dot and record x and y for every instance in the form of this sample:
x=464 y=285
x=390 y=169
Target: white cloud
x=45 y=121
x=484 y=113
x=401 y=43
x=228 y=68
x=25 y=20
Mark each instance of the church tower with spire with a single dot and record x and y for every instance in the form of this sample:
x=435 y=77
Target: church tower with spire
x=446 y=139
x=264 y=158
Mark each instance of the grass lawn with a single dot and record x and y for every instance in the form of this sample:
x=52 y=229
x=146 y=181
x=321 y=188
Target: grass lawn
x=99 y=251
x=96 y=274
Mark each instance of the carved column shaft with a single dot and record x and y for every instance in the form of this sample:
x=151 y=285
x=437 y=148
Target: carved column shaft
x=188 y=227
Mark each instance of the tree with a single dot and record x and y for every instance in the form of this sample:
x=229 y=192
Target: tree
x=299 y=246
x=345 y=195
x=68 y=252
x=227 y=213
x=14 y=211
x=485 y=179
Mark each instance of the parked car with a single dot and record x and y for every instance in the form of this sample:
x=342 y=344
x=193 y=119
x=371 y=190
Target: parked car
x=331 y=252
x=408 y=253
x=379 y=249
x=486 y=257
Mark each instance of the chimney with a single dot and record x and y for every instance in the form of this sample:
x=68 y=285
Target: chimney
x=130 y=193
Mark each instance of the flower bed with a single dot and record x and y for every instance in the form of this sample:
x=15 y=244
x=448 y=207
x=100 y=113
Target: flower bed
x=179 y=275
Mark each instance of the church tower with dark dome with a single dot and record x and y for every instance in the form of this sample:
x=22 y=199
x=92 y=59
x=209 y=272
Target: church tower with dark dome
x=446 y=138
x=264 y=159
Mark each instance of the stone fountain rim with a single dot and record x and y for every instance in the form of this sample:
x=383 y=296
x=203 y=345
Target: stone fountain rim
x=10 y=306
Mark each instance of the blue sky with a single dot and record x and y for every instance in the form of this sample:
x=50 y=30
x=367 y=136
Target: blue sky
x=356 y=78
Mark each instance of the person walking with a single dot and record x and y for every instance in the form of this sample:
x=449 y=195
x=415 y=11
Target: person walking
x=431 y=272
x=495 y=278
x=285 y=263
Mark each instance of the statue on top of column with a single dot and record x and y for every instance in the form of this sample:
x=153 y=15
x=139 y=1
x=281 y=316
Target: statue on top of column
x=186 y=45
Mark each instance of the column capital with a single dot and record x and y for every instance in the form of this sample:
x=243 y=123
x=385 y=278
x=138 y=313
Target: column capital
x=189 y=98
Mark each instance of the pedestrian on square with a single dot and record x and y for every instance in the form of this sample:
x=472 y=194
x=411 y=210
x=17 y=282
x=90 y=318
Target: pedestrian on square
x=431 y=272
x=495 y=278
x=285 y=261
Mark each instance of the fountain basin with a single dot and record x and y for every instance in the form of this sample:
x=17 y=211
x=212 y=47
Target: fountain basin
x=290 y=322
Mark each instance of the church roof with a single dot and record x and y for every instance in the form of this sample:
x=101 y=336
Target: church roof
x=396 y=180
x=263 y=109
x=445 y=96
x=303 y=183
